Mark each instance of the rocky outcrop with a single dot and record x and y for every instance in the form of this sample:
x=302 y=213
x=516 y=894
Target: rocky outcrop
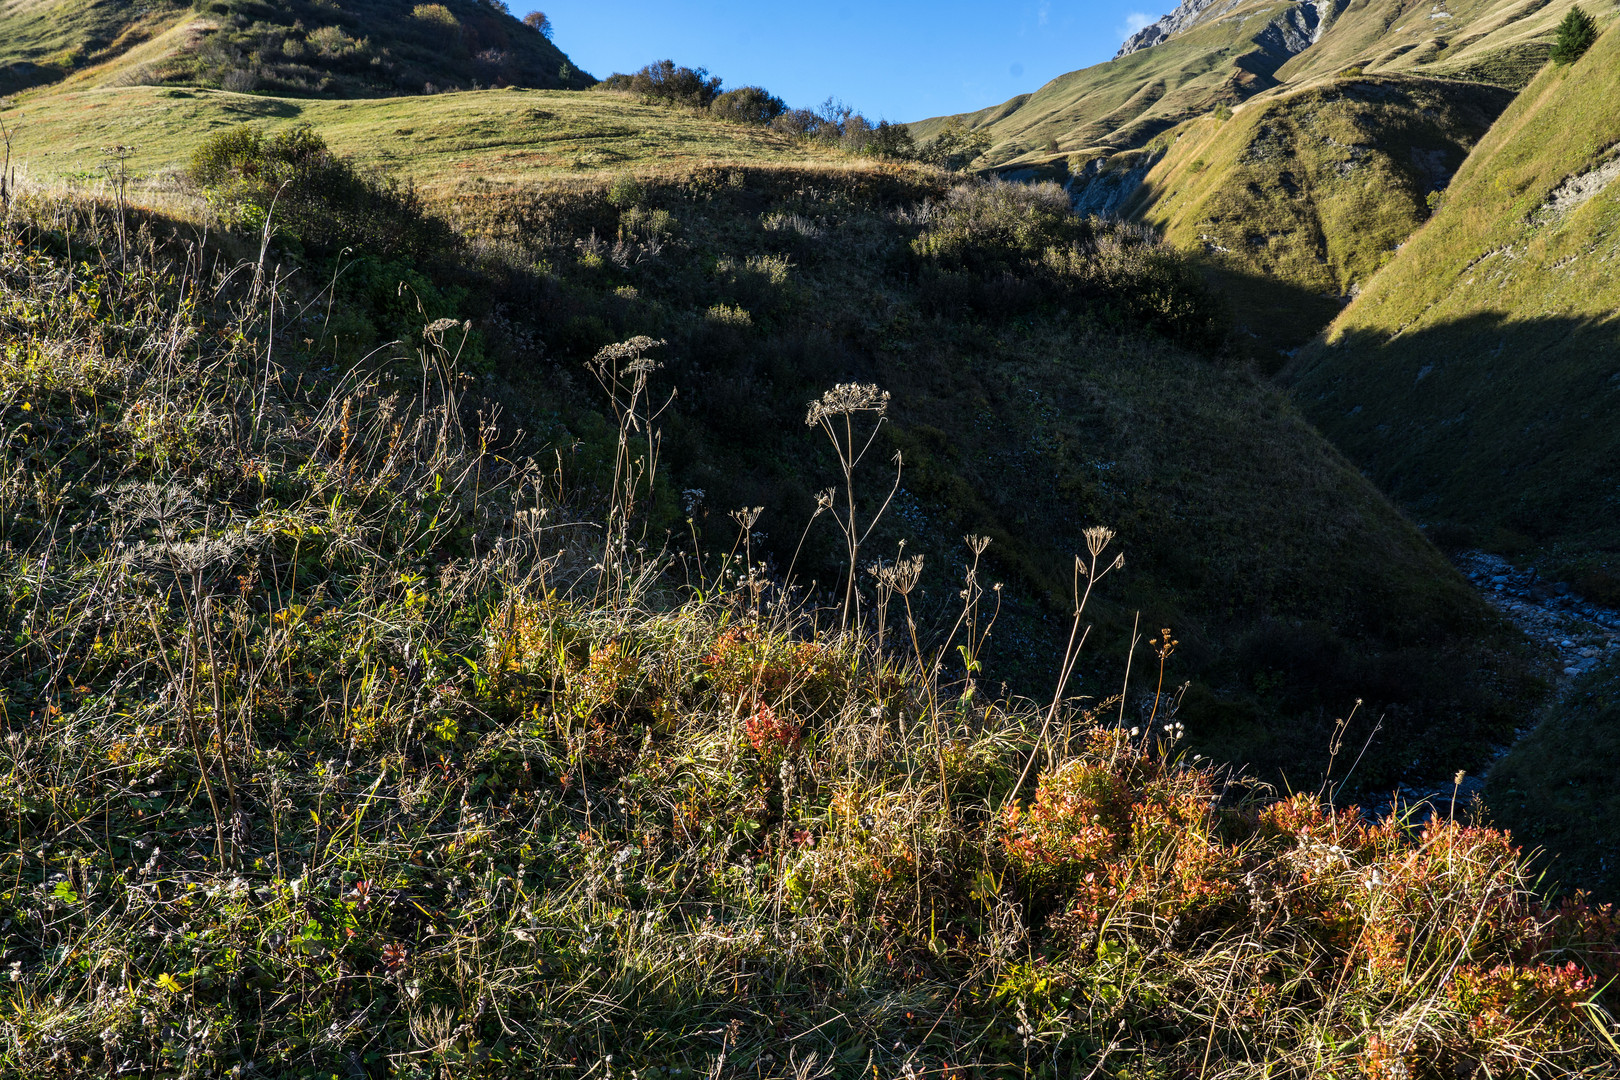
x=1294 y=32
x=1284 y=38
x=1188 y=14
x=1103 y=186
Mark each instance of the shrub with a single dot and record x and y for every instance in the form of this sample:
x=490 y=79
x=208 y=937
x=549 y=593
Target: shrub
x=624 y=191
x=437 y=14
x=891 y=141
x=1573 y=37
x=1000 y=246
x=997 y=225
x=747 y=105
x=618 y=82
x=955 y=147
x=240 y=80
x=797 y=122
x=311 y=196
x=667 y=82
x=331 y=43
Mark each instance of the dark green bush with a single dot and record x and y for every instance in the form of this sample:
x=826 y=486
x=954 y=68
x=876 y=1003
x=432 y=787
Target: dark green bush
x=748 y=105
x=955 y=147
x=997 y=226
x=1574 y=36
x=311 y=197
x=891 y=141
x=676 y=85
x=618 y=82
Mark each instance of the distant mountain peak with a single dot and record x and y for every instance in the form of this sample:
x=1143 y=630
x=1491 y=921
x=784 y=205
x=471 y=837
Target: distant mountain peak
x=1192 y=13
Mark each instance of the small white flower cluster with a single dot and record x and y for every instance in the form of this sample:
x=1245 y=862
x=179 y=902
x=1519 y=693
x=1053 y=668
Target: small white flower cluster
x=1317 y=856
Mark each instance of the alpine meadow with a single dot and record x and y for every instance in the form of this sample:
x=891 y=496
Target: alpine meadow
x=511 y=572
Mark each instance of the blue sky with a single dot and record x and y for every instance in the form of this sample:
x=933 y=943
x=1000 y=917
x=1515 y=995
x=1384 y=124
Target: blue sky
x=896 y=60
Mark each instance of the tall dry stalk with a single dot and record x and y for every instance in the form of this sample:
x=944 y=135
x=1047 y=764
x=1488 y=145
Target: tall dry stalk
x=834 y=412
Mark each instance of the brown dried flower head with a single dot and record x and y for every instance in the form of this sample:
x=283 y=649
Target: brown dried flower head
x=900 y=575
x=846 y=398
x=1097 y=538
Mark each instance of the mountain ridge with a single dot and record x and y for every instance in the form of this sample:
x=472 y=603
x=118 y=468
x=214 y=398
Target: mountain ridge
x=1207 y=54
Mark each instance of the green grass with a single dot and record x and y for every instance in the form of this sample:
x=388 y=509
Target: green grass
x=1314 y=190
x=1496 y=41
x=1121 y=103
x=344 y=736
x=1556 y=789
x=1492 y=333
x=439 y=141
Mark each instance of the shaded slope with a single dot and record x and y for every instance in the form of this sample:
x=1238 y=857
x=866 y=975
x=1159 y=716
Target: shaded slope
x=1295 y=586
x=1476 y=378
x=1292 y=583
x=1556 y=788
x=1315 y=189
x=301 y=47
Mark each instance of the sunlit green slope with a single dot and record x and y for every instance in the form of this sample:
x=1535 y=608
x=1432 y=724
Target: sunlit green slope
x=1477 y=378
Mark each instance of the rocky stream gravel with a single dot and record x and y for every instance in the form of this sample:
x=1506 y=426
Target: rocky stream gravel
x=1580 y=635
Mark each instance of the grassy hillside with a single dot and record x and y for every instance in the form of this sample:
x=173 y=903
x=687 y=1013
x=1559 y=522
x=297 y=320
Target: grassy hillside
x=1023 y=412
x=44 y=41
x=1297 y=200
x=1503 y=42
x=1475 y=377
x=299 y=47
x=1556 y=788
x=1026 y=409
x=1231 y=54
x=441 y=140
x=353 y=732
